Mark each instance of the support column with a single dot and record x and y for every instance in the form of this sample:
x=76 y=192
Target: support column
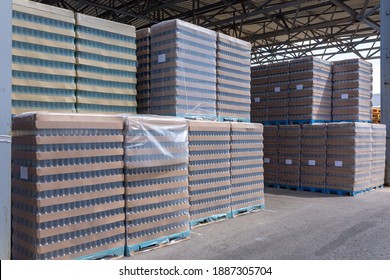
x=385 y=78
x=5 y=127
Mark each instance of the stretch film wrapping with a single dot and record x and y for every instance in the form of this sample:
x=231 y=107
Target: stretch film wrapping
x=209 y=169
x=349 y=156
x=43 y=63
x=156 y=178
x=352 y=90
x=313 y=156
x=259 y=90
x=67 y=186
x=233 y=78
x=310 y=90
x=183 y=70
x=247 y=170
x=143 y=71
x=106 y=66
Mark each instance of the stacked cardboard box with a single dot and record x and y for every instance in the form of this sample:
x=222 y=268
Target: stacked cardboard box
x=183 y=70
x=106 y=66
x=271 y=155
x=352 y=90
x=349 y=151
x=143 y=70
x=67 y=186
x=310 y=95
x=43 y=63
x=278 y=92
x=233 y=78
x=289 y=150
x=209 y=171
x=247 y=170
x=259 y=90
x=156 y=180
x=313 y=156
x=378 y=155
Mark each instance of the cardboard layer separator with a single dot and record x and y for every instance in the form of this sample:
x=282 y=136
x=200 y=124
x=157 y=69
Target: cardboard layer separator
x=67 y=186
x=183 y=70
x=106 y=66
x=156 y=180
x=233 y=78
x=43 y=62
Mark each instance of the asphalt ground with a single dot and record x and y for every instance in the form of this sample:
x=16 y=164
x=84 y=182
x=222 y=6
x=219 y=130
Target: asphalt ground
x=293 y=226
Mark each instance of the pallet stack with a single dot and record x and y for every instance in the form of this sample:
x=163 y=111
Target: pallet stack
x=156 y=181
x=277 y=93
x=352 y=90
x=43 y=63
x=378 y=155
x=143 y=70
x=259 y=89
x=349 y=152
x=209 y=171
x=106 y=66
x=183 y=70
x=67 y=186
x=376 y=115
x=310 y=93
x=247 y=170
x=271 y=155
x=233 y=78
x=313 y=157
x=289 y=150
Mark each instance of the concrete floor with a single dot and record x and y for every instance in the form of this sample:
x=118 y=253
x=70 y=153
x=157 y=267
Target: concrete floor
x=294 y=226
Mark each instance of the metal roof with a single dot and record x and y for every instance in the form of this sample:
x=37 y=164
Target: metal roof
x=277 y=29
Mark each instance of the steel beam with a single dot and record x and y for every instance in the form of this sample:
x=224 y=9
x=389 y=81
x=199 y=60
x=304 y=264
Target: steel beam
x=5 y=127
x=385 y=78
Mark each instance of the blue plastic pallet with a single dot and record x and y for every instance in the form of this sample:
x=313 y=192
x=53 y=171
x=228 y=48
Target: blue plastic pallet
x=231 y=119
x=312 y=189
x=155 y=243
x=307 y=121
x=352 y=193
x=210 y=219
x=271 y=185
x=351 y=121
x=289 y=187
x=277 y=122
x=115 y=252
x=246 y=210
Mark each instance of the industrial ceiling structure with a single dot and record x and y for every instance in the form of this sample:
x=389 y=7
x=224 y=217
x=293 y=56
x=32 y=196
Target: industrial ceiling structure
x=278 y=29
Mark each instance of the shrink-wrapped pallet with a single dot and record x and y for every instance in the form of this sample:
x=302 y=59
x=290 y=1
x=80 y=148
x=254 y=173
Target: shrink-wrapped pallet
x=143 y=70
x=67 y=186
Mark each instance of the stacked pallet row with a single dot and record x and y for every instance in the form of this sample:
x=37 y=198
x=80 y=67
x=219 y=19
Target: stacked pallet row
x=349 y=152
x=43 y=63
x=233 y=78
x=277 y=93
x=247 y=170
x=67 y=186
x=310 y=91
x=378 y=155
x=259 y=89
x=156 y=181
x=143 y=70
x=313 y=157
x=271 y=155
x=352 y=91
x=183 y=70
x=289 y=150
x=209 y=171
x=106 y=66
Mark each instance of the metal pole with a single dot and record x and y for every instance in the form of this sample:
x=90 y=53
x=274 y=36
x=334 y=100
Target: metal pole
x=385 y=79
x=5 y=127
